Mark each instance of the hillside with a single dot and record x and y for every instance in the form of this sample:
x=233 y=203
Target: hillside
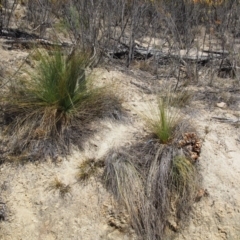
x=49 y=197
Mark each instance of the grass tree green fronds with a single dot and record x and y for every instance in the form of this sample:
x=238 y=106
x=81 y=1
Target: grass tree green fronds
x=163 y=121
x=60 y=80
x=52 y=111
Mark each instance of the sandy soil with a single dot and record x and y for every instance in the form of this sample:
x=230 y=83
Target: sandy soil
x=218 y=215
x=89 y=212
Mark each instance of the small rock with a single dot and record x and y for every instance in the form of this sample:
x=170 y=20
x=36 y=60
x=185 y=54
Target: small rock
x=222 y=105
x=201 y=193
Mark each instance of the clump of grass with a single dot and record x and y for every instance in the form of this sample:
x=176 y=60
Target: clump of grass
x=163 y=121
x=183 y=182
x=183 y=174
x=155 y=185
x=141 y=188
x=88 y=169
x=52 y=111
x=120 y=165
x=122 y=178
x=59 y=186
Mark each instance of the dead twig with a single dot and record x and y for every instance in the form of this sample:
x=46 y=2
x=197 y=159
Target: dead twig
x=227 y=120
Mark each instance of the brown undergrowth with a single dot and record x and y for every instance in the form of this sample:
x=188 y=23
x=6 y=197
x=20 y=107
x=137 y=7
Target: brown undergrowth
x=156 y=181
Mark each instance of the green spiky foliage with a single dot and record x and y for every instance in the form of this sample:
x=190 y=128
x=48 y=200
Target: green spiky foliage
x=163 y=121
x=52 y=111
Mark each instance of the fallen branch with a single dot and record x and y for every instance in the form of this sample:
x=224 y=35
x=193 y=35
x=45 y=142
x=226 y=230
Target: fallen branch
x=140 y=52
x=29 y=43
x=227 y=120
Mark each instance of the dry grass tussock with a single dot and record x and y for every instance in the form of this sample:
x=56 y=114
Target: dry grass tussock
x=53 y=112
x=88 y=168
x=58 y=186
x=154 y=179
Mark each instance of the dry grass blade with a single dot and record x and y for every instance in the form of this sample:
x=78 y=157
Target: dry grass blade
x=181 y=98
x=124 y=181
x=144 y=192
x=157 y=200
x=183 y=182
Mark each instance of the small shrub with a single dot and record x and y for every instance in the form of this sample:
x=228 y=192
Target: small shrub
x=51 y=112
x=151 y=180
x=152 y=184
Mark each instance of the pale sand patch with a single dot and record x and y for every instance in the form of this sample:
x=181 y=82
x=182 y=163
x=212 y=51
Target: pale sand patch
x=36 y=213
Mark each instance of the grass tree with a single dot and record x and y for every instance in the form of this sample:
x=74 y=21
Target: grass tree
x=48 y=114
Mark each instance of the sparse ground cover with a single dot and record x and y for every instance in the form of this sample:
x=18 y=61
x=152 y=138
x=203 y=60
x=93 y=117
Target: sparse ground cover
x=90 y=212
x=146 y=148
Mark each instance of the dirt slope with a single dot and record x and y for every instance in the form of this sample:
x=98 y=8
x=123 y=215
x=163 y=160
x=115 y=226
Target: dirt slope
x=88 y=212
x=218 y=215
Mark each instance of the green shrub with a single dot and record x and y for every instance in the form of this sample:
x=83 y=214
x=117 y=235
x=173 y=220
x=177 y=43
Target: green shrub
x=52 y=111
